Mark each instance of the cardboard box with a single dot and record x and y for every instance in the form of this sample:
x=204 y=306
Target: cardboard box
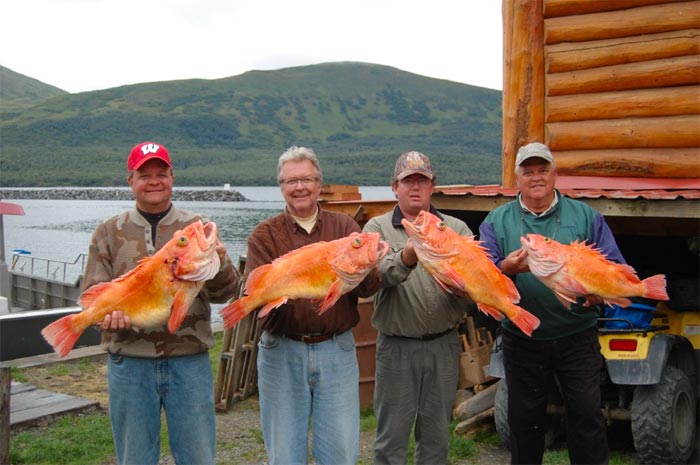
x=473 y=366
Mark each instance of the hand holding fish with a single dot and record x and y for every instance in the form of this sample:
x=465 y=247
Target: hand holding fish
x=408 y=254
x=462 y=266
x=580 y=270
x=515 y=262
x=115 y=321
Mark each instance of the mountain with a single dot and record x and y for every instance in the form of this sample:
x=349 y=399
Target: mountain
x=358 y=117
x=18 y=89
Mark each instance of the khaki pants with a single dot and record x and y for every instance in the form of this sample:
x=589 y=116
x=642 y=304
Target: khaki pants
x=416 y=383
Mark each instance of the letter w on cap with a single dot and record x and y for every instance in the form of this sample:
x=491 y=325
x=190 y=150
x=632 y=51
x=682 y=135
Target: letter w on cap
x=149 y=148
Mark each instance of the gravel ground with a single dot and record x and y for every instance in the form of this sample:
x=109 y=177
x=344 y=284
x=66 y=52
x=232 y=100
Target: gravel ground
x=239 y=439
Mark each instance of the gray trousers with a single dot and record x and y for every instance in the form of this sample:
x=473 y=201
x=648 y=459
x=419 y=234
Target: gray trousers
x=415 y=384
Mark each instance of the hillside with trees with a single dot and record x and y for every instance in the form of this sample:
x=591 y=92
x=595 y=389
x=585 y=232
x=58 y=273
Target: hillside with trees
x=358 y=117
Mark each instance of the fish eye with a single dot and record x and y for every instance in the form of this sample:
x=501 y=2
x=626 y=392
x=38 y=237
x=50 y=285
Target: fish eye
x=182 y=241
x=357 y=242
x=547 y=239
x=441 y=225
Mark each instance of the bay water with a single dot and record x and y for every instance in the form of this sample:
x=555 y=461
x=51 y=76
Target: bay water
x=61 y=229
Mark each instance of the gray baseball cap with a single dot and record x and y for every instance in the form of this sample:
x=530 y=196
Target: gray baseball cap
x=534 y=149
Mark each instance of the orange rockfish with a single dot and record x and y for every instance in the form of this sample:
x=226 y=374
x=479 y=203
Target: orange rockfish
x=461 y=265
x=160 y=289
x=322 y=270
x=579 y=270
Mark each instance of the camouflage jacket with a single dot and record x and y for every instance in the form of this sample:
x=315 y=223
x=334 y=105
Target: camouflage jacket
x=117 y=245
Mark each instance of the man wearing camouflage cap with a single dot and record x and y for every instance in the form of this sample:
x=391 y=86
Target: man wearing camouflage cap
x=417 y=346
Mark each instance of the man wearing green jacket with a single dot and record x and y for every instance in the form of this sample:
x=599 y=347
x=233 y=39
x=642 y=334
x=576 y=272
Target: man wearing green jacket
x=565 y=344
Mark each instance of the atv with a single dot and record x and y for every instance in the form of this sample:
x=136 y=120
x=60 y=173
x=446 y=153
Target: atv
x=650 y=380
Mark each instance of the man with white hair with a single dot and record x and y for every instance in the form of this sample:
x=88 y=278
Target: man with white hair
x=565 y=344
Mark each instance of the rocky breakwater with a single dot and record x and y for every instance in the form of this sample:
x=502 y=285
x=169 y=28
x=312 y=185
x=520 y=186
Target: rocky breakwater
x=219 y=195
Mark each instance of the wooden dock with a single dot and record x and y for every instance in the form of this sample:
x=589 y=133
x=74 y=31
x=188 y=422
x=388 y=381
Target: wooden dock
x=30 y=405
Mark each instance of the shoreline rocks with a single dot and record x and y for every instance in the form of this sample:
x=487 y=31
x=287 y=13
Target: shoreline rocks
x=118 y=194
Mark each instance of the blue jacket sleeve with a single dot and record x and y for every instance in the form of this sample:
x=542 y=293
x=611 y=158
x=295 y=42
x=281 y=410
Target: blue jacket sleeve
x=487 y=235
x=603 y=238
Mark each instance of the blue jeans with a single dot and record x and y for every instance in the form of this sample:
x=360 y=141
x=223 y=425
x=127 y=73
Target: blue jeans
x=183 y=387
x=302 y=385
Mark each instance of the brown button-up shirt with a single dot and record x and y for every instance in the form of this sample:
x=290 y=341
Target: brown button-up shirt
x=280 y=234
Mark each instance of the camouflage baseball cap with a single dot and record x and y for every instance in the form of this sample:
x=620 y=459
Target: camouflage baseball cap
x=413 y=163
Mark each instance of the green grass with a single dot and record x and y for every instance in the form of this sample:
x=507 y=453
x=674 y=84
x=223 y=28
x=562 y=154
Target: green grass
x=84 y=439
x=17 y=375
x=560 y=456
x=460 y=448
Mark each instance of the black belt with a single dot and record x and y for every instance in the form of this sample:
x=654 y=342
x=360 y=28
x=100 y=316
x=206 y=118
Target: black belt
x=427 y=337
x=310 y=338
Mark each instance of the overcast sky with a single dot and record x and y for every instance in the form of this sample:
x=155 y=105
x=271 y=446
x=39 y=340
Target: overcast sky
x=83 y=45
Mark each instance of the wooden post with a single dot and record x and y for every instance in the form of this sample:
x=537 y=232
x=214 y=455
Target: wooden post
x=5 y=383
x=523 y=80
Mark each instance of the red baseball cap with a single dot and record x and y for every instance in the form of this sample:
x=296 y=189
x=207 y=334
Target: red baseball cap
x=145 y=151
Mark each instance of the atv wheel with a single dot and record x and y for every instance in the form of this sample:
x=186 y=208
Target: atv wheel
x=663 y=419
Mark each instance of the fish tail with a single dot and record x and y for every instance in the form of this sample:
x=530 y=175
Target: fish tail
x=62 y=335
x=655 y=287
x=526 y=321
x=235 y=312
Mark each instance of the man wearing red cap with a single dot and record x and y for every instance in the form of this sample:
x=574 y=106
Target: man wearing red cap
x=153 y=370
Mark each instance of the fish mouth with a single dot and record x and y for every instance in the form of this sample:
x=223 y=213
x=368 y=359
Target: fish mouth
x=207 y=239
x=382 y=249
x=529 y=246
x=205 y=261
x=419 y=223
x=526 y=242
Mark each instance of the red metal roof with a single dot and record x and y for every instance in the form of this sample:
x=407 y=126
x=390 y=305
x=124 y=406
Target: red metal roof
x=597 y=187
x=10 y=209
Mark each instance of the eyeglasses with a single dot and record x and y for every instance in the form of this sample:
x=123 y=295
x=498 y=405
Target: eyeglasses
x=292 y=182
x=422 y=181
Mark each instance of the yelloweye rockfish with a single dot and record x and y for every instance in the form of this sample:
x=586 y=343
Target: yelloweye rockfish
x=160 y=289
x=579 y=270
x=461 y=265
x=322 y=270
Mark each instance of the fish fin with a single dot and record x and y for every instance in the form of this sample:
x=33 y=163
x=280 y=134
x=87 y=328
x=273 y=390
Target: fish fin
x=270 y=306
x=88 y=297
x=655 y=287
x=511 y=290
x=492 y=311
x=526 y=321
x=565 y=300
x=622 y=302
x=428 y=253
x=178 y=311
x=334 y=293
x=448 y=288
x=235 y=312
x=62 y=335
x=351 y=280
x=255 y=277
x=203 y=270
x=544 y=267
x=453 y=278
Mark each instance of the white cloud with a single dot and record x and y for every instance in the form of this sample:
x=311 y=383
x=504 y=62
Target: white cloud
x=81 y=45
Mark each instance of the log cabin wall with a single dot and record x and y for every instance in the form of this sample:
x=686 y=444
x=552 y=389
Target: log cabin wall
x=613 y=87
